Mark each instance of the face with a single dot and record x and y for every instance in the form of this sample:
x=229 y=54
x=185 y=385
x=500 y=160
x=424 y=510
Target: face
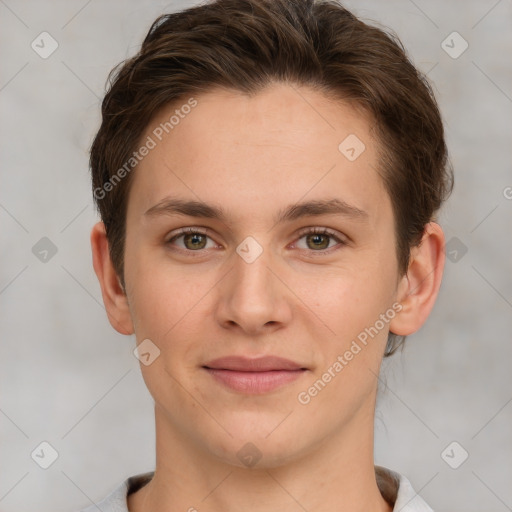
x=259 y=273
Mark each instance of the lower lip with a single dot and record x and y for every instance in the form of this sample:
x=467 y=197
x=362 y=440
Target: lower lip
x=254 y=382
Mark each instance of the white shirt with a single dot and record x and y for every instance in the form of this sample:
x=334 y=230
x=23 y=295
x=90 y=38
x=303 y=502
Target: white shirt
x=395 y=488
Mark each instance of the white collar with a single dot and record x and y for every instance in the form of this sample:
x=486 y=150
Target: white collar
x=394 y=487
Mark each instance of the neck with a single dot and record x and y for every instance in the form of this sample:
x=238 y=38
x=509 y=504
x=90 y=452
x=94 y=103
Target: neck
x=340 y=479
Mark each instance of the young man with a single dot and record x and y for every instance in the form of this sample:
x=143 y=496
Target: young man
x=267 y=174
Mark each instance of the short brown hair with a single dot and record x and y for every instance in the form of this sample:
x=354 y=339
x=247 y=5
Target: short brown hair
x=245 y=45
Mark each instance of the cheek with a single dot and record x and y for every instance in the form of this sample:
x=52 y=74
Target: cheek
x=155 y=295
x=164 y=301
x=348 y=300
x=167 y=310
x=350 y=305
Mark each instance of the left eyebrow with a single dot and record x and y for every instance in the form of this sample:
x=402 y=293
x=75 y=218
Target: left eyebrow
x=320 y=207
x=175 y=206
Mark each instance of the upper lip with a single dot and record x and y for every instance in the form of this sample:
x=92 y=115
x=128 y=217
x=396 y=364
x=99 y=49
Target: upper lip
x=259 y=364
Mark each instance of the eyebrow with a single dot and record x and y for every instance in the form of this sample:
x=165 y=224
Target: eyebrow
x=174 y=206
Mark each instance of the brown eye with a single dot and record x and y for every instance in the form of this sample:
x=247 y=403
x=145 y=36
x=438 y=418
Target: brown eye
x=318 y=241
x=194 y=241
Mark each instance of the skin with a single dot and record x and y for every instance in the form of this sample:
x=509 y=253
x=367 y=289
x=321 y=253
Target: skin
x=254 y=156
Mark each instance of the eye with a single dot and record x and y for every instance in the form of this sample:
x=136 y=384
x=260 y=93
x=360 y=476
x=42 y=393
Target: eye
x=318 y=239
x=194 y=239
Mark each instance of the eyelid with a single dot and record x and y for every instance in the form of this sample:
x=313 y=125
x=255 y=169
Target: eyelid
x=319 y=230
x=187 y=230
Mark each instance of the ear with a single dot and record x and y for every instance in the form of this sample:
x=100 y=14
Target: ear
x=114 y=297
x=418 y=289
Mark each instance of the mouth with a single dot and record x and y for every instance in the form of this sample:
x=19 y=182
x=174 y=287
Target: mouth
x=254 y=376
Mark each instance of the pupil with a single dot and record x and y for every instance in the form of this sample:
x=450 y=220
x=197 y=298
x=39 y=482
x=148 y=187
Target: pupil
x=316 y=238
x=195 y=238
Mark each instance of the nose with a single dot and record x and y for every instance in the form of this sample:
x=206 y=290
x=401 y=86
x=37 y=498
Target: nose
x=252 y=297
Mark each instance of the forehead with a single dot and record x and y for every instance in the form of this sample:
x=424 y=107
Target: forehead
x=281 y=145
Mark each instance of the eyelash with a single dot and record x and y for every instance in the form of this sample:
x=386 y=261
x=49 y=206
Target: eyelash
x=302 y=234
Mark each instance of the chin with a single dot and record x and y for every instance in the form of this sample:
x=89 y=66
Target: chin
x=259 y=445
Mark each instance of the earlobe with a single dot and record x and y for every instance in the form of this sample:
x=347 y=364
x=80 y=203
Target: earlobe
x=114 y=297
x=418 y=289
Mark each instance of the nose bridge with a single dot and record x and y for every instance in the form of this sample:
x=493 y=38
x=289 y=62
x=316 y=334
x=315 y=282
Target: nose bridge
x=251 y=275
x=251 y=296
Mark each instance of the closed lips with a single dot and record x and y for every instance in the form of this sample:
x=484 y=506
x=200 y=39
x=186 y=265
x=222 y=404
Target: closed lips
x=261 y=364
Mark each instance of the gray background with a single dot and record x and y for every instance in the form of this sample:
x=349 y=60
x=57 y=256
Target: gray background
x=69 y=379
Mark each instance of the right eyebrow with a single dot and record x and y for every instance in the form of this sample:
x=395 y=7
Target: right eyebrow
x=191 y=208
